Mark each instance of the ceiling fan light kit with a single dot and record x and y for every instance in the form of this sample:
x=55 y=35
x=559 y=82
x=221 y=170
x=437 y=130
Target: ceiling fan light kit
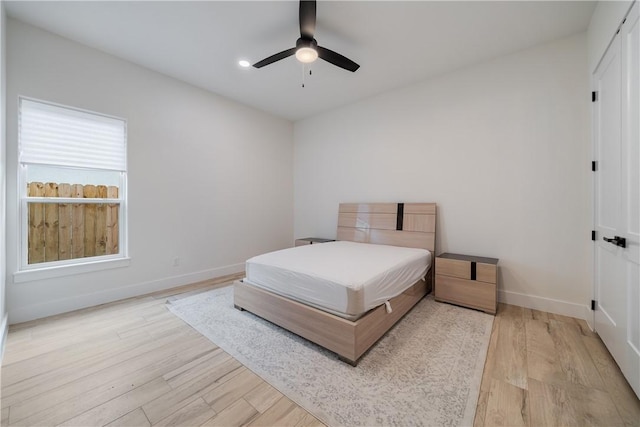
x=307 y=49
x=306 y=55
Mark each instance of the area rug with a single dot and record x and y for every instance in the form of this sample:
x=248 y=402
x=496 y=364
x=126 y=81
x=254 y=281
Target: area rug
x=424 y=371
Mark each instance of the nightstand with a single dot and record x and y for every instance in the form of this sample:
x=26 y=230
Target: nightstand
x=469 y=281
x=311 y=241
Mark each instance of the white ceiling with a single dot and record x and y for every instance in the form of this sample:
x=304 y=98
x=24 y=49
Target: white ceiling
x=396 y=43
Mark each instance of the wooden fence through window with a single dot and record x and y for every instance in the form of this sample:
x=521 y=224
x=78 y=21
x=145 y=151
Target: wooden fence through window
x=59 y=231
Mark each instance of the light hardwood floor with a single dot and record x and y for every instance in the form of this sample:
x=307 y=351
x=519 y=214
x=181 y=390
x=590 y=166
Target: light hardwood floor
x=550 y=370
x=132 y=363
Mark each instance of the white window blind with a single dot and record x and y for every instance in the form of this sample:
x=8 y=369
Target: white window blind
x=54 y=135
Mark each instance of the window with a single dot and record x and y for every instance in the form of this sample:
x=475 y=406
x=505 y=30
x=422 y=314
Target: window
x=73 y=175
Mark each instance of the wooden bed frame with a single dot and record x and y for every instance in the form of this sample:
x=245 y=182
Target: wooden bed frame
x=398 y=224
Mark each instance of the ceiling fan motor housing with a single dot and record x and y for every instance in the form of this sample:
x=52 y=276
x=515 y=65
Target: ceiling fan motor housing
x=305 y=42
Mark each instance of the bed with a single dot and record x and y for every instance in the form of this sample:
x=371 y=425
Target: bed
x=340 y=308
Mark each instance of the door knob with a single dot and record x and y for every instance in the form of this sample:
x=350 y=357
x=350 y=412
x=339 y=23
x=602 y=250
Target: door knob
x=617 y=240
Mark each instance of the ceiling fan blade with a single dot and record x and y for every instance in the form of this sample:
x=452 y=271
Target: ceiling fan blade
x=307 y=18
x=337 y=59
x=274 y=58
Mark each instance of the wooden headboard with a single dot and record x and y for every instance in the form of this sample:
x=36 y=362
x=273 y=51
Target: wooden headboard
x=410 y=225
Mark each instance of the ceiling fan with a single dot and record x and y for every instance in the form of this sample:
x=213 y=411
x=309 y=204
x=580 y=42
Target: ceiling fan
x=307 y=49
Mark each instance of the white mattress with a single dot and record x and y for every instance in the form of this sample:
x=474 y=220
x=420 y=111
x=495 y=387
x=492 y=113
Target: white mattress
x=344 y=278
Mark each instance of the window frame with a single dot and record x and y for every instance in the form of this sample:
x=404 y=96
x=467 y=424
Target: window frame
x=49 y=269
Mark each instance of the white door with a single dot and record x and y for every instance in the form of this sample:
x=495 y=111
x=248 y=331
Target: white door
x=617 y=195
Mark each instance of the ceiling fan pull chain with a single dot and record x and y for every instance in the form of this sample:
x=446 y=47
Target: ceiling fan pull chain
x=303 y=73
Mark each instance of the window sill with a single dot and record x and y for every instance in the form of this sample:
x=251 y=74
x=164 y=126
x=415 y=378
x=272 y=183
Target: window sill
x=68 y=270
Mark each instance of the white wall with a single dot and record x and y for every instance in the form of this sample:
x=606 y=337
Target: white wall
x=502 y=147
x=210 y=180
x=3 y=164
x=605 y=21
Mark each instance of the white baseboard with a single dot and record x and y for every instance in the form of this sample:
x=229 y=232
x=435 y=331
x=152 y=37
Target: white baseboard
x=544 y=304
x=63 y=305
x=4 y=330
x=588 y=317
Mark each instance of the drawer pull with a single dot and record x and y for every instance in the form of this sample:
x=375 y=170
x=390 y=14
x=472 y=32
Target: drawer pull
x=473 y=270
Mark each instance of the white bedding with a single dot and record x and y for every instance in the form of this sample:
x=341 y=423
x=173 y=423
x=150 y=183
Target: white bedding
x=344 y=278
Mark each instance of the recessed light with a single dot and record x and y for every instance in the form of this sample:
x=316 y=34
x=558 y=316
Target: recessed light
x=244 y=63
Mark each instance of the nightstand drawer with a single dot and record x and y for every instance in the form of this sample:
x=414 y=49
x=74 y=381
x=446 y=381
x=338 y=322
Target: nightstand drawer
x=486 y=272
x=453 y=268
x=469 y=293
x=467 y=267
